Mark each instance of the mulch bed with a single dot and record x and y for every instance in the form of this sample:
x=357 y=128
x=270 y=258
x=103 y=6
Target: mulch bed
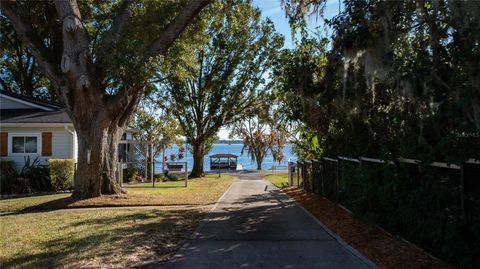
x=379 y=246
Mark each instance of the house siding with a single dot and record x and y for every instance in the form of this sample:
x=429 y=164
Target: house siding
x=62 y=144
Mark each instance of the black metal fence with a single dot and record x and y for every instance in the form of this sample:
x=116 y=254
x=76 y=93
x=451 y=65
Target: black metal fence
x=436 y=205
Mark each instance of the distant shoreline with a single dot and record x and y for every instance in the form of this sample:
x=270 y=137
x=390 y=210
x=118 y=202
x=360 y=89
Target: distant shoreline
x=225 y=141
x=234 y=141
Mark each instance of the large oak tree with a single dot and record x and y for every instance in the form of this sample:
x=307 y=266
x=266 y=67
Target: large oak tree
x=99 y=57
x=225 y=82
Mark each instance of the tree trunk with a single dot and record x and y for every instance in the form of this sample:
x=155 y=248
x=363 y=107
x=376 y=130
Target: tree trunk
x=99 y=118
x=97 y=158
x=259 y=160
x=198 y=155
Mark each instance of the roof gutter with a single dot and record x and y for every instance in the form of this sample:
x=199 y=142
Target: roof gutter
x=72 y=132
x=36 y=124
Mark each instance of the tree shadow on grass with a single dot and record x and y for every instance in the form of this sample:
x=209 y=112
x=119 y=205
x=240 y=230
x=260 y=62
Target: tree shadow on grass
x=156 y=187
x=56 y=204
x=123 y=240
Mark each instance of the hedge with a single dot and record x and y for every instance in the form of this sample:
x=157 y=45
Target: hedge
x=62 y=172
x=8 y=175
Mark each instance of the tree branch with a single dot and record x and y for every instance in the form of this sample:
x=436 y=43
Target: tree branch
x=175 y=28
x=116 y=30
x=29 y=38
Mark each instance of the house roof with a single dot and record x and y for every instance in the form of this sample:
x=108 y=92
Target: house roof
x=54 y=113
x=223 y=155
x=33 y=116
x=33 y=100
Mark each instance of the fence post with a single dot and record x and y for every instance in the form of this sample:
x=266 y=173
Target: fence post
x=462 y=187
x=150 y=149
x=290 y=173
x=322 y=166
x=186 y=174
x=298 y=174
x=338 y=179
x=313 y=175
x=304 y=173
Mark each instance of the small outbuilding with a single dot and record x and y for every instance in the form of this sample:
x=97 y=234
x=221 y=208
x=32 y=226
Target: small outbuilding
x=223 y=161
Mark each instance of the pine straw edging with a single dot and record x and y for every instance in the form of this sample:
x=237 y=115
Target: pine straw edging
x=378 y=245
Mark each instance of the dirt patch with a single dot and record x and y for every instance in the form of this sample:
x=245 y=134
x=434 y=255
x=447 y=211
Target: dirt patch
x=379 y=246
x=150 y=248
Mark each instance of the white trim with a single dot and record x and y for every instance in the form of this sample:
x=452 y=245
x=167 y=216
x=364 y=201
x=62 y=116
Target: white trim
x=39 y=144
x=72 y=132
x=26 y=102
x=37 y=124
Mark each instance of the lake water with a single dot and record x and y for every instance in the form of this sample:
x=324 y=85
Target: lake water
x=236 y=149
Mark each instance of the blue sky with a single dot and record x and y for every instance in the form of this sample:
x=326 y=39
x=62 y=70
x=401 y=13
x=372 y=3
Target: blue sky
x=273 y=10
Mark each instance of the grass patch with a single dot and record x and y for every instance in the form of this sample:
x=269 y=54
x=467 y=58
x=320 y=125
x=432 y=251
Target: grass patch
x=280 y=180
x=200 y=191
x=16 y=204
x=94 y=238
x=107 y=237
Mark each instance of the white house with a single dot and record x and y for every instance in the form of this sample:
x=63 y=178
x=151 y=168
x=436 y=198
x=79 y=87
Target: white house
x=36 y=128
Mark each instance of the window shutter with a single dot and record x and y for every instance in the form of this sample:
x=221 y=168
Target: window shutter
x=3 y=143
x=47 y=144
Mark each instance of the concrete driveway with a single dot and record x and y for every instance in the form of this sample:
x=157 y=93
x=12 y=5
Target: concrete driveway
x=254 y=225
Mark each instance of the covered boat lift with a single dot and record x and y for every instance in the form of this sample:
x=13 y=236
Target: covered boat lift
x=223 y=161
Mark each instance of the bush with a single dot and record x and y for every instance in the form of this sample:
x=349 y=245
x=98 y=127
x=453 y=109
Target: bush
x=172 y=177
x=158 y=177
x=130 y=174
x=62 y=172
x=422 y=205
x=33 y=177
x=8 y=176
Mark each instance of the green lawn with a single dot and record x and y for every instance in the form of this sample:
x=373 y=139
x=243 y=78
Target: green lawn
x=200 y=191
x=94 y=238
x=280 y=180
x=16 y=204
x=106 y=237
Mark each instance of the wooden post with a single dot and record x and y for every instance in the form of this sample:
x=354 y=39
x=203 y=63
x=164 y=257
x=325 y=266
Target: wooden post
x=186 y=174
x=163 y=159
x=146 y=162
x=290 y=174
x=151 y=162
x=322 y=169
x=298 y=174
x=150 y=150
x=462 y=187
x=314 y=175
x=305 y=175
x=338 y=179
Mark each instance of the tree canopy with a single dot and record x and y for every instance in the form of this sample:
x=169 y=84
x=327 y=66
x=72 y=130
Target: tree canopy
x=394 y=79
x=223 y=79
x=99 y=58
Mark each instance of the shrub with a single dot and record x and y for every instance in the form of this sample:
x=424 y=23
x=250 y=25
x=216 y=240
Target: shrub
x=62 y=172
x=158 y=177
x=33 y=177
x=171 y=177
x=130 y=174
x=8 y=175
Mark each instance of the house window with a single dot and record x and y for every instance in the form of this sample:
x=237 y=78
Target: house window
x=24 y=144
